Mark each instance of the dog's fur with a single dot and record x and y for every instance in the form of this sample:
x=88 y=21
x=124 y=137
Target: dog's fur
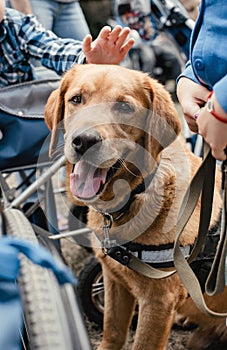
x=126 y=122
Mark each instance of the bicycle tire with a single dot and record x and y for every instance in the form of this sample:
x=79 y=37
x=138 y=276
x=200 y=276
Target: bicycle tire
x=52 y=317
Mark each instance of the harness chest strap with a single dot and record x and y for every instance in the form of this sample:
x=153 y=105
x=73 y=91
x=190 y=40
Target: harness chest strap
x=162 y=256
x=141 y=265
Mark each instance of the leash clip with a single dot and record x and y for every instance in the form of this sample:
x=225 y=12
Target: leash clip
x=107 y=243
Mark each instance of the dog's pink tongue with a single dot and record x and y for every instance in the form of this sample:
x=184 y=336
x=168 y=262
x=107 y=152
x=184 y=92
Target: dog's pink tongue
x=85 y=181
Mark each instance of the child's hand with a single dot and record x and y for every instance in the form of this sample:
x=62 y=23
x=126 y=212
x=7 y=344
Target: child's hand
x=110 y=47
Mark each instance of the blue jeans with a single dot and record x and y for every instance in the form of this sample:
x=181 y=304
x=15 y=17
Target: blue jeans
x=66 y=20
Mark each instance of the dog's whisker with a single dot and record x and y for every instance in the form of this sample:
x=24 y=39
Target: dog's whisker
x=59 y=148
x=60 y=145
x=57 y=155
x=125 y=166
x=61 y=127
x=58 y=152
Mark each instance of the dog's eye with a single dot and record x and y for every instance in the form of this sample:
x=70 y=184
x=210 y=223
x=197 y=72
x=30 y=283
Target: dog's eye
x=123 y=107
x=76 y=99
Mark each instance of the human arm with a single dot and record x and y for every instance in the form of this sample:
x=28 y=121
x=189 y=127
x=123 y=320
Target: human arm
x=27 y=38
x=110 y=47
x=193 y=97
x=23 y=6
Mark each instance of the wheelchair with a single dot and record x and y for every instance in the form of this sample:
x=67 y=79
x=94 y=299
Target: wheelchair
x=52 y=317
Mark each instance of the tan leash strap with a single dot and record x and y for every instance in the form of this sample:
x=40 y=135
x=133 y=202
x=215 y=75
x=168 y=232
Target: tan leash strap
x=203 y=181
x=216 y=279
x=183 y=268
x=147 y=270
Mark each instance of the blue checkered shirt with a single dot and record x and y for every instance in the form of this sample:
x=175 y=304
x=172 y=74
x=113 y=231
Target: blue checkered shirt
x=23 y=38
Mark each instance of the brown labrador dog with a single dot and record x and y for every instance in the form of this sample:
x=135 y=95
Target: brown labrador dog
x=128 y=164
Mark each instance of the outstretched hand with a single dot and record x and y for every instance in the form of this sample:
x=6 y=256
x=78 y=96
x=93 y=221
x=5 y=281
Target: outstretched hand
x=110 y=47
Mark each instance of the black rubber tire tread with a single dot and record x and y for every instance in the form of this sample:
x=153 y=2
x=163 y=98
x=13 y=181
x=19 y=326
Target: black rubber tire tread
x=87 y=285
x=47 y=318
x=86 y=279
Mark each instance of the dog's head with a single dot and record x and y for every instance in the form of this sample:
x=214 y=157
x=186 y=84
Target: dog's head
x=116 y=122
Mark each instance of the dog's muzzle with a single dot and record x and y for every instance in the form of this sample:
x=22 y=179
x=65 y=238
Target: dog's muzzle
x=87 y=178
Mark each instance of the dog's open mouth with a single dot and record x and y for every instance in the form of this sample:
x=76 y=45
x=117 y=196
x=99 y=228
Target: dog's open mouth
x=86 y=180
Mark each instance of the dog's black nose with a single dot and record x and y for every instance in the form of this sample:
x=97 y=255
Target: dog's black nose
x=85 y=140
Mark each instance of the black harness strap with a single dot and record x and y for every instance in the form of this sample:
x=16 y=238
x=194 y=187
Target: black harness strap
x=121 y=209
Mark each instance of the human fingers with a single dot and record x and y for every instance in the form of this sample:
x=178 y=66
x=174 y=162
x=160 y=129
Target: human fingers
x=116 y=34
x=218 y=154
x=191 y=121
x=104 y=33
x=191 y=98
x=188 y=90
x=122 y=36
x=86 y=45
x=214 y=132
x=191 y=112
x=127 y=46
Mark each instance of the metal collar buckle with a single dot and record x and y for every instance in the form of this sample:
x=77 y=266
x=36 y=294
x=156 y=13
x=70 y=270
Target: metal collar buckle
x=107 y=243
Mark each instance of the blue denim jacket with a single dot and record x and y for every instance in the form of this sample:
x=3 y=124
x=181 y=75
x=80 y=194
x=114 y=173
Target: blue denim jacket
x=21 y=38
x=208 y=51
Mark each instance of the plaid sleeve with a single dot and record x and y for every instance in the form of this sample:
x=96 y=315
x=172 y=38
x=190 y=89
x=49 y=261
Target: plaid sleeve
x=55 y=53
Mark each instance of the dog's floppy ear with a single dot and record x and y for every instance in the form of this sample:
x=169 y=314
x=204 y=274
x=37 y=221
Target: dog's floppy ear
x=54 y=113
x=163 y=121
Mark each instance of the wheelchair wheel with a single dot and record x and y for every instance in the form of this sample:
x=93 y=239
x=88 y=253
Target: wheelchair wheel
x=52 y=317
x=91 y=291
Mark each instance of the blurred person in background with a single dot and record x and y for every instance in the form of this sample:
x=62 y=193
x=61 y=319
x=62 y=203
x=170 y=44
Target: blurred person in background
x=63 y=17
x=97 y=13
x=23 y=37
